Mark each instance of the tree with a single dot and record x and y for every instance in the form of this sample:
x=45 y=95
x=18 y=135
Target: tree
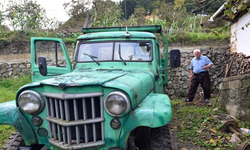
x=25 y=15
x=128 y=7
x=106 y=13
x=202 y=6
x=163 y=10
x=140 y=14
x=178 y=4
x=77 y=10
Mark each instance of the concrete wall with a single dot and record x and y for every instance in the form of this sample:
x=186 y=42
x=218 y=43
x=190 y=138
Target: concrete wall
x=235 y=96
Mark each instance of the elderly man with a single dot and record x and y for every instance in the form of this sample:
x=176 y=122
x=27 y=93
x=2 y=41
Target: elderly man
x=199 y=75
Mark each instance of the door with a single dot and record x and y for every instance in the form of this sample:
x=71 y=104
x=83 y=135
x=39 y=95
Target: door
x=159 y=82
x=57 y=58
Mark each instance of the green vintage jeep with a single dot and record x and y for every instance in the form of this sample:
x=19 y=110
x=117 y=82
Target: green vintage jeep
x=109 y=96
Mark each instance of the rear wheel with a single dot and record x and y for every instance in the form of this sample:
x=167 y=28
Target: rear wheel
x=145 y=138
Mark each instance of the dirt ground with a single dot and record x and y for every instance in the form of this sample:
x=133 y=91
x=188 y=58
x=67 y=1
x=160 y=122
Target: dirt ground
x=177 y=144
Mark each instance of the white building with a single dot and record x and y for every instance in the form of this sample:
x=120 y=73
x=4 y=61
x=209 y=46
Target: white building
x=240 y=28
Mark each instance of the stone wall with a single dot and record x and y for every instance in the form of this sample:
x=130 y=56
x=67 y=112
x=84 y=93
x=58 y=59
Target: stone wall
x=234 y=91
x=235 y=96
x=14 y=69
x=179 y=80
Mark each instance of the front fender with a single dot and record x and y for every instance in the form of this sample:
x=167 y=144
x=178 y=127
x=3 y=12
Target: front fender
x=154 y=111
x=10 y=115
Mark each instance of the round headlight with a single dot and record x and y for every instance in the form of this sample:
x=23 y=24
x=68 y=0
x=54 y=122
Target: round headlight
x=116 y=104
x=31 y=102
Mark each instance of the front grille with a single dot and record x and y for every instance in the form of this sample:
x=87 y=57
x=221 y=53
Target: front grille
x=75 y=120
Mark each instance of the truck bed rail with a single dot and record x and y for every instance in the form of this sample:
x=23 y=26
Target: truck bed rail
x=152 y=29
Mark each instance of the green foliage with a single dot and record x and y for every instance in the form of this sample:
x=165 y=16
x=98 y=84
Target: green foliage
x=178 y=24
x=233 y=8
x=25 y=14
x=106 y=14
x=8 y=90
x=5 y=132
x=10 y=86
x=203 y=6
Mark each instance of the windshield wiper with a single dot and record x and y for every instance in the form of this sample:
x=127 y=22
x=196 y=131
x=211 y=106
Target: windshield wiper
x=119 y=52
x=92 y=57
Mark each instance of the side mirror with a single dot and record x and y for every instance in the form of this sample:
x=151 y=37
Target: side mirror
x=42 y=65
x=174 y=58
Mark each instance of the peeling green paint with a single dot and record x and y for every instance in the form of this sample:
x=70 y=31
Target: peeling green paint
x=10 y=115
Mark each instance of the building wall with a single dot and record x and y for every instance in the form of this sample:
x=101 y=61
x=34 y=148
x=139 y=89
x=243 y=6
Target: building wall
x=240 y=36
x=235 y=96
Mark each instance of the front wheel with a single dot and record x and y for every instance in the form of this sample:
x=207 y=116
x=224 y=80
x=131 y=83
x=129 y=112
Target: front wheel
x=14 y=142
x=145 y=138
x=161 y=139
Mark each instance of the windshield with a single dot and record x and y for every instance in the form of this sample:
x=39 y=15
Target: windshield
x=115 y=51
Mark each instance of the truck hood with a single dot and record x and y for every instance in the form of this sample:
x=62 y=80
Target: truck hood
x=136 y=83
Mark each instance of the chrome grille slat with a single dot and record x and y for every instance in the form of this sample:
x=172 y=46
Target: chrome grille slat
x=84 y=109
x=75 y=121
x=61 y=110
x=76 y=110
x=64 y=135
x=57 y=109
x=69 y=136
x=77 y=135
x=66 y=110
x=59 y=133
x=86 y=134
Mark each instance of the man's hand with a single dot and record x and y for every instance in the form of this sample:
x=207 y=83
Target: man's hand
x=208 y=66
x=191 y=75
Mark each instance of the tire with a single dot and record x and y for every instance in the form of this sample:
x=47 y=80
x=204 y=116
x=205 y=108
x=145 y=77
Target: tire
x=161 y=139
x=14 y=142
x=143 y=138
x=146 y=138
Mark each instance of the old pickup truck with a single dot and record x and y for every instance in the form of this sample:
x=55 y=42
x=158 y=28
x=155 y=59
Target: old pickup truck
x=109 y=96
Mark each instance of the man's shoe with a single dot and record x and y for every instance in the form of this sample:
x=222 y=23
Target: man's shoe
x=207 y=101
x=187 y=100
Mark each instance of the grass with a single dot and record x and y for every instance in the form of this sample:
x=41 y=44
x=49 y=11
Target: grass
x=199 y=126
x=197 y=37
x=8 y=90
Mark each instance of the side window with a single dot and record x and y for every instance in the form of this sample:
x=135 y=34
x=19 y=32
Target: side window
x=53 y=52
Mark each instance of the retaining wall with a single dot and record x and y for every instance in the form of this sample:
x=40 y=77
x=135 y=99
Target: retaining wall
x=235 y=96
x=178 y=78
x=14 y=69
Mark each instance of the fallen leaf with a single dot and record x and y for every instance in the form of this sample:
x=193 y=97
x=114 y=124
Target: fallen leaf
x=199 y=131
x=213 y=130
x=213 y=141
